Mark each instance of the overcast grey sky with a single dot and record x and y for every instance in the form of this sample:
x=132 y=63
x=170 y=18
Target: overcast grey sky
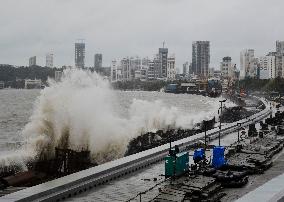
x=118 y=28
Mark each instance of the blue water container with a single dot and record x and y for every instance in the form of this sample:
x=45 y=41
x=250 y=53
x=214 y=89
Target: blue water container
x=199 y=154
x=218 y=157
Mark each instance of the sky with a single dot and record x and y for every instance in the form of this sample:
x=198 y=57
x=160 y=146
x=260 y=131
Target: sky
x=120 y=28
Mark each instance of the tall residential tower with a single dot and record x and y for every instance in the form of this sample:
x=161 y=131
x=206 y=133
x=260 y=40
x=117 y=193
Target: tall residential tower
x=163 y=55
x=201 y=58
x=80 y=53
x=98 y=61
x=49 y=60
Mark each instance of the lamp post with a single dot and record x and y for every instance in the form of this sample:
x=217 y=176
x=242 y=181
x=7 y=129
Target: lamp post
x=239 y=124
x=205 y=129
x=221 y=102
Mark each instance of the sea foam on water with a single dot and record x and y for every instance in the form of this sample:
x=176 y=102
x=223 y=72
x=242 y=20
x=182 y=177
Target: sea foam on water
x=78 y=113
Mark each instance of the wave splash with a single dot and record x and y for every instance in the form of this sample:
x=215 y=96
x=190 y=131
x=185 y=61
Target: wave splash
x=78 y=113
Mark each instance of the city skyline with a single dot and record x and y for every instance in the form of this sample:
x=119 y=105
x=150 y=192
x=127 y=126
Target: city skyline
x=178 y=23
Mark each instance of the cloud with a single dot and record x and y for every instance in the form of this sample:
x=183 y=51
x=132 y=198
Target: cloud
x=119 y=28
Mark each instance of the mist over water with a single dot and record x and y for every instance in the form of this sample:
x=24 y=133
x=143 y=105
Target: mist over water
x=82 y=111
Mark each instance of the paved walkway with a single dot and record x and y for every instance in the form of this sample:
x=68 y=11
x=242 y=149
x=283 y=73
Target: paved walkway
x=259 y=186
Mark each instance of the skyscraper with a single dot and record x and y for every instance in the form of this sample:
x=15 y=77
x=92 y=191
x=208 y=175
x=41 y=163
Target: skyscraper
x=171 y=67
x=98 y=60
x=247 y=64
x=80 y=53
x=279 y=57
x=280 y=47
x=163 y=55
x=49 y=60
x=185 y=69
x=200 y=58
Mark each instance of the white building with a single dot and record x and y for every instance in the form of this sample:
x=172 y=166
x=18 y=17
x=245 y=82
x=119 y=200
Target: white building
x=228 y=70
x=116 y=72
x=171 y=68
x=151 y=71
x=49 y=60
x=185 y=70
x=267 y=67
x=31 y=84
x=248 y=64
x=141 y=73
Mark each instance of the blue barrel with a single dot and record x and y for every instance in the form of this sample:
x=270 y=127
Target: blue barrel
x=218 y=157
x=199 y=154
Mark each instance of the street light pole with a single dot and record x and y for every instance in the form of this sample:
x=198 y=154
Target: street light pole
x=221 y=102
x=205 y=127
x=239 y=124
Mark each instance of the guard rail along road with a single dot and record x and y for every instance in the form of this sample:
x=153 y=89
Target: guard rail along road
x=71 y=185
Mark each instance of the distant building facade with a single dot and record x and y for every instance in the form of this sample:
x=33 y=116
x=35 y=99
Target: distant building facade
x=58 y=75
x=272 y=65
x=248 y=64
x=211 y=72
x=280 y=47
x=171 y=68
x=32 y=84
x=32 y=61
x=49 y=60
x=154 y=68
x=267 y=67
x=80 y=54
x=98 y=61
x=116 y=71
x=185 y=69
x=2 y=84
x=217 y=74
x=163 y=55
x=200 y=58
x=279 y=59
x=161 y=67
x=228 y=70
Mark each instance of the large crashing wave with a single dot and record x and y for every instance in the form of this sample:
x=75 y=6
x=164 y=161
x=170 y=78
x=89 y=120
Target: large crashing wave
x=78 y=113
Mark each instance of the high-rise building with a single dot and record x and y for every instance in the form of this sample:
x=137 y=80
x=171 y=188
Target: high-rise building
x=190 y=71
x=125 y=67
x=248 y=64
x=98 y=61
x=228 y=70
x=200 y=58
x=163 y=55
x=267 y=67
x=49 y=60
x=225 y=66
x=185 y=69
x=154 y=68
x=280 y=47
x=279 y=59
x=141 y=68
x=116 y=71
x=32 y=61
x=80 y=53
x=171 y=68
